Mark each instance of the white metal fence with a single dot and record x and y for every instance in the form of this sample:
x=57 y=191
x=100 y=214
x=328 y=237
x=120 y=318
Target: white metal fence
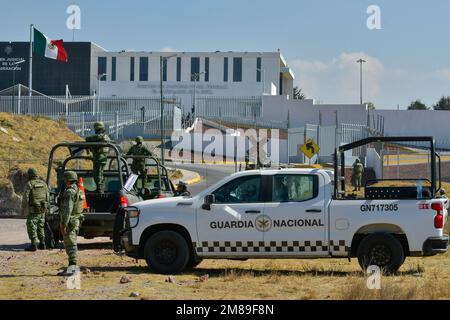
x=122 y=115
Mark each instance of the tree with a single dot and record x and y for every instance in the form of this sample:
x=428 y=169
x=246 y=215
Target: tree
x=370 y=106
x=442 y=104
x=417 y=105
x=298 y=94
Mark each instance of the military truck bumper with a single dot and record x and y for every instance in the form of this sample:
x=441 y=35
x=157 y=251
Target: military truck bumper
x=127 y=243
x=435 y=245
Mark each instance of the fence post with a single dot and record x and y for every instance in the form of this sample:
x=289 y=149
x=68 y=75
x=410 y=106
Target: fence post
x=117 y=125
x=82 y=124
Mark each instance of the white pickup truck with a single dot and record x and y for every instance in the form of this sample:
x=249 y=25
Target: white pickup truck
x=283 y=213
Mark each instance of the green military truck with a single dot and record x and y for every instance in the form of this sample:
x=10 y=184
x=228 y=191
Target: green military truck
x=121 y=188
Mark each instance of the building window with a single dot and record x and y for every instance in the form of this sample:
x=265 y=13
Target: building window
x=206 y=69
x=237 y=69
x=164 y=61
x=225 y=69
x=258 y=69
x=195 y=68
x=113 y=69
x=102 y=68
x=281 y=84
x=132 y=69
x=178 y=69
x=143 y=69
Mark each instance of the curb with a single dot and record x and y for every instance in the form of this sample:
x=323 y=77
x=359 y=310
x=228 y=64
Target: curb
x=195 y=180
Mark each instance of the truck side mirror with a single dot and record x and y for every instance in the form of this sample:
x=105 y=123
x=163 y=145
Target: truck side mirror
x=209 y=200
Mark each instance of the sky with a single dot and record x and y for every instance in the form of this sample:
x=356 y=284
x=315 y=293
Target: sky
x=408 y=58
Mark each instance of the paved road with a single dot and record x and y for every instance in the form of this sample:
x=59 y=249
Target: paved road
x=210 y=174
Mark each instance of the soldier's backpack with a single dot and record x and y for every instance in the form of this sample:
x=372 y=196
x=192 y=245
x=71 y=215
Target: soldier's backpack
x=38 y=194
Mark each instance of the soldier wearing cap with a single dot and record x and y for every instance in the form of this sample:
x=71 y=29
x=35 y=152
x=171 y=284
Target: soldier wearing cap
x=70 y=211
x=35 y=203
x=182 y=190
x=100 y=154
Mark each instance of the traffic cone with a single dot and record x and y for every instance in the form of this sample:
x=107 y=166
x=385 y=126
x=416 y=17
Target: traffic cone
x=81 y=186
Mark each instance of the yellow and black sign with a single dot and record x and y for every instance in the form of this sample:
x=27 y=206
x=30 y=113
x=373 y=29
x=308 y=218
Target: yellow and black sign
x=310 y=148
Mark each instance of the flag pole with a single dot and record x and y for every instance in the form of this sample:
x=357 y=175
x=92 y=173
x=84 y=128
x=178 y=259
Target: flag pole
x=30 y=75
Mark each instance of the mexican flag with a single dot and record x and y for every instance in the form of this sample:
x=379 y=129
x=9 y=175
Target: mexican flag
x=45 y=47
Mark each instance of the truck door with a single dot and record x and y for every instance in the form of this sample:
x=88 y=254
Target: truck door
x=296 y=215
x=228 y=229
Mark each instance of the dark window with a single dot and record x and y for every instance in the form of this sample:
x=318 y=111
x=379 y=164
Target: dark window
x=102 y=68
x=225 y=69
x=178 y=69
x=281 y=83
x=206 y=69
x=237 y=69
x=132 y=69
x=143 y=69
x=113 y=69
x=240 y=190
x=164 y=69
x=294 y=187
x=258 y=69
x=195 y=68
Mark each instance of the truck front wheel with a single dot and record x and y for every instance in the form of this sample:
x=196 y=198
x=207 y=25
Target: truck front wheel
x=166 y=252
x=382 y=250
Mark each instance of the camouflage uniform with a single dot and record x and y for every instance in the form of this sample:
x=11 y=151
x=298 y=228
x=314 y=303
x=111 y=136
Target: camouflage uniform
x=138 y=165
x=358 y=170
x=70 y=210
x=35 y=203
x=100 y=154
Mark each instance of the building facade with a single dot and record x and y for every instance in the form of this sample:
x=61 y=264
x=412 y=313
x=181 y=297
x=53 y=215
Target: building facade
x=214 y=74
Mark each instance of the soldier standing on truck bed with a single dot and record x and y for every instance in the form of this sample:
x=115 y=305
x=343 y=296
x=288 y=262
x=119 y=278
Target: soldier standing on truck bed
x=138 y=165
x=71 y=217
x=358 y=170
x=35 y=203
x=100 y=154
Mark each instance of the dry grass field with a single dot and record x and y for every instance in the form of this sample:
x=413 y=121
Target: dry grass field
x=26 y=275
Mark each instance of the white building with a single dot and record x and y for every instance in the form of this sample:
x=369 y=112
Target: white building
x=213 y=74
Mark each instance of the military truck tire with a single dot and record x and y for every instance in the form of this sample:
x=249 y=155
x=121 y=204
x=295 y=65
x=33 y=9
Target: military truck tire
x=193 y=262
x=166 y=252
x=382 y=250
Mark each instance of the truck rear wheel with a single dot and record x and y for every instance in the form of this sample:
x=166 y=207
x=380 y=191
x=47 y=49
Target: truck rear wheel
x=382 y=250
x=166 y=252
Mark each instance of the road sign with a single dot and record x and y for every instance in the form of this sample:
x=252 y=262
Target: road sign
x=310 y=148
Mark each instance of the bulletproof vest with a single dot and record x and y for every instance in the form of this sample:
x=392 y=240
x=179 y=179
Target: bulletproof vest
x=358 y=168
x=38 y=194
x=78 y=201
x=99 y=137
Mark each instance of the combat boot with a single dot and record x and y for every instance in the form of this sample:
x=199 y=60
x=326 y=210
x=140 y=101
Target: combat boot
x=32 y=247
x=70 y=271
x=42 y=246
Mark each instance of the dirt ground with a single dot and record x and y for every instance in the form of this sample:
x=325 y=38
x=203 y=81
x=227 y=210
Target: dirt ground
x=25 y=275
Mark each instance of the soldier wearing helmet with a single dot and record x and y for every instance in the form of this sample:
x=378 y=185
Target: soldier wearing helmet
x=100 y=154
x=358 y=170
x=71 y=216
x=140 y=151
x=35 y=203
x=182 y=190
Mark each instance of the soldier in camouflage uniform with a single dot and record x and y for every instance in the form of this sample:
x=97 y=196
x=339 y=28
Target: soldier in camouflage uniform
x=71 y=216
x=358 y=170
x=138 y=165
x=100 y=154
x=35 y=203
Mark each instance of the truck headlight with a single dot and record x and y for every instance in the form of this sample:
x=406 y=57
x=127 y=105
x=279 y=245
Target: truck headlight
x=132 y=214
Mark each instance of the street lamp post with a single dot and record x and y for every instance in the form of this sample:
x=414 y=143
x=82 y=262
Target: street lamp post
x=360 y=61
x=16 y=64
x=195 y=77
x=99 y=78
x=162 y=60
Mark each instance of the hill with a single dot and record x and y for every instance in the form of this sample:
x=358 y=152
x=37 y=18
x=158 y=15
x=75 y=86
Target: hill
x=25 y=142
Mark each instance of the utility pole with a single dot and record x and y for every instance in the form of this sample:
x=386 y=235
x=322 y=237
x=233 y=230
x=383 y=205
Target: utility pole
x=360 y=61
